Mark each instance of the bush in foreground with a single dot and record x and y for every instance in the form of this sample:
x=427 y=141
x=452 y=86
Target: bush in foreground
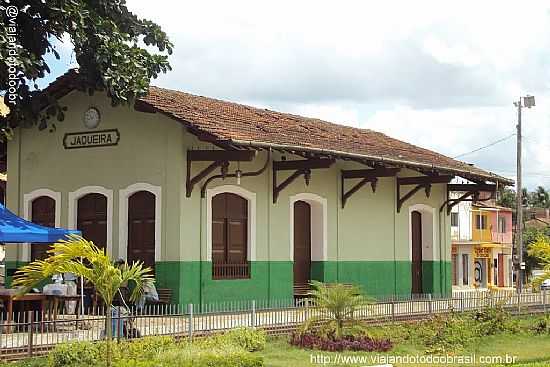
x=346 y=342
x=227 y=350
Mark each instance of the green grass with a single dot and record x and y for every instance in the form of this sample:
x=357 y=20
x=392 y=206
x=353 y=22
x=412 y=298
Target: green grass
x=531 y=351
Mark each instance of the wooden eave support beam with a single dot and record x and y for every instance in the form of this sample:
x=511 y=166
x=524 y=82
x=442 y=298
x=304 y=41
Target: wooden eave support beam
x=471 y=193
x=420 y=182
x=367 y=175
x=300 y=167
x=472 y=187
x=219 y=158
x=221 y=155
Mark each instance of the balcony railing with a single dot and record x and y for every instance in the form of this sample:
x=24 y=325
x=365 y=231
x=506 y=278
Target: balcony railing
x=230 y=271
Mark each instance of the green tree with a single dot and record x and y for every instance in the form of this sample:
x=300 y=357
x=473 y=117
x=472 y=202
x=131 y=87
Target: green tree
x=507 y=198
x=84 y=259
x=112 y=46
x=539 y=198
x=540 y=249
x=337 y=305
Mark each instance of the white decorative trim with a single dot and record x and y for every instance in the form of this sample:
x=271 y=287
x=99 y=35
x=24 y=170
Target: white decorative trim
x=427 y=227
x=73 y=199
x=27 y=213
x=319 y=225
x=123 y=197
x=248 y=195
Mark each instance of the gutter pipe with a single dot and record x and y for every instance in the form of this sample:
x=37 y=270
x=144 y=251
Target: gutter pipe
x=251 y=143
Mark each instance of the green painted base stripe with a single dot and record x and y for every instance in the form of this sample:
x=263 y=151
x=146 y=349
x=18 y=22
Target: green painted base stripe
x=191 y=281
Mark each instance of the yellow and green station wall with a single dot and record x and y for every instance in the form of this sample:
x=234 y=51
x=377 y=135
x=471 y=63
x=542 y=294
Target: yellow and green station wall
x=368 y=241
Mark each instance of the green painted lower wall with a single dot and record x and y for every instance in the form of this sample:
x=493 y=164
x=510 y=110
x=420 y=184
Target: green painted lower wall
x=436 y=277
x=192 y=281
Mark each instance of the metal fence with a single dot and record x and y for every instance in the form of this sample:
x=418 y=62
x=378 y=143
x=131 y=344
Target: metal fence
x=31 y=333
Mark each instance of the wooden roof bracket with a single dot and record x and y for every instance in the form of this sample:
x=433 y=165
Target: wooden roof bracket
x=367 y=175
x=421 y=182
x=218 y=158
x=300 y=167
x=472 y=193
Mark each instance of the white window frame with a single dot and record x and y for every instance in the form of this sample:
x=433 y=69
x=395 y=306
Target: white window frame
x=124 y=197
x=319 y=225
x=27 y=213
x=77 y=194
x=251 y=198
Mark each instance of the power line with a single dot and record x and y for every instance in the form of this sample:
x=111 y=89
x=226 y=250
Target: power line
x=486 y=146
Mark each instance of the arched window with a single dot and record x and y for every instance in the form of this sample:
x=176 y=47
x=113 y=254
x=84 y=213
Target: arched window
x=43 y=213
x=229 y=236
x=141 y=228
x=91 y=218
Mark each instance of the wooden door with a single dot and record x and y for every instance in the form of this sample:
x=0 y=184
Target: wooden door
x=500 y=270
x=43 y=213
x=416 y=232
x=92 y=218
x=141 y=228
x=302 y=242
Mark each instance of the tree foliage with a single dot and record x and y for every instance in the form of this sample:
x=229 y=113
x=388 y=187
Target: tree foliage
x=507 y=198
x=539 y=198
x=111 y=45
x=540 y=249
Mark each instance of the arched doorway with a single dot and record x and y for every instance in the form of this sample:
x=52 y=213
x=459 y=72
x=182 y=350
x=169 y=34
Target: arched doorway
x=91 y=218
x=43 y=213
x=416 y=238
x=302 y=243
x=141 y=228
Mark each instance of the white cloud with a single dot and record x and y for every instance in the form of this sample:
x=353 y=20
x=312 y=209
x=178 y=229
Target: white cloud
x=438 y=74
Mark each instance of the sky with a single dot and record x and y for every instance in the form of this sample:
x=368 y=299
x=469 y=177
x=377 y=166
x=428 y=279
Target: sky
x=442 y=75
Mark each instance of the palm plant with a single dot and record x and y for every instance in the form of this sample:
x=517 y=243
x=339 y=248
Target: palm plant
x=337 y=305
x=83 y=258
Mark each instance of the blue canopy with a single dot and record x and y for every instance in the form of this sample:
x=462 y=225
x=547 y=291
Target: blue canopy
x=19 y=230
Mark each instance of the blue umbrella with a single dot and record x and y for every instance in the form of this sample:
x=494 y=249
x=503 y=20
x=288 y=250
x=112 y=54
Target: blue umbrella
x=14 y=229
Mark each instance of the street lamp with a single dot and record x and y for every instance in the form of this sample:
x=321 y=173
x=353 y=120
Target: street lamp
x=528 y=102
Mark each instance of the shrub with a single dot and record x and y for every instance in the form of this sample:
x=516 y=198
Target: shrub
x=75 y=354
x=195 y=356
x=337 y=305
x=493 y=320
x=145 y=347
x=251 y=340
x=346 y=342
x=542 y=326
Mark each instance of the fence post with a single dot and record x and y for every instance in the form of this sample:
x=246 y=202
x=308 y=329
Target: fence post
x=30 y=347
x=392 y=310
x=430 y=306
x=253 y=315
x=519 y=303
x=190 y=325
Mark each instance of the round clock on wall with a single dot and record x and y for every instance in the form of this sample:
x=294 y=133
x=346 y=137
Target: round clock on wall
x=91 y=118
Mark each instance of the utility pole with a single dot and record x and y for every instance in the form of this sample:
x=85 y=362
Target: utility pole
x=519 y=204
x=528 y=101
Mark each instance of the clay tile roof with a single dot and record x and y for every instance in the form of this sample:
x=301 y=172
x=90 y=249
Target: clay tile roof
x=243 y=125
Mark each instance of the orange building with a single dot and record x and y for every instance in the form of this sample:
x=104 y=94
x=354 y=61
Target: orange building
x=481 y=246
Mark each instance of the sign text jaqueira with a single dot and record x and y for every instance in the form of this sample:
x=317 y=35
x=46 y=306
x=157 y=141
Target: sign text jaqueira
x=91 y=139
